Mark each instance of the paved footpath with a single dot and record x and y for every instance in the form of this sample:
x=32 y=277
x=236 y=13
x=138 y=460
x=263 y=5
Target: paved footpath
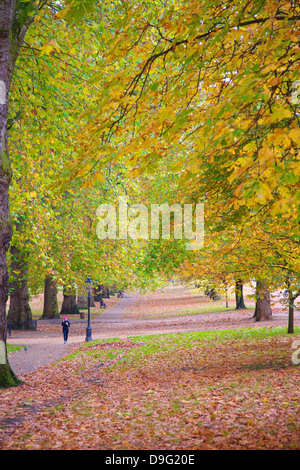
x=45 y=349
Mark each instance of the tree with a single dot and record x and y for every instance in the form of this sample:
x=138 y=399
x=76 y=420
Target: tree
x=292 y=298
x=217 y=80
x=190 y=67
x=19 y=313
x=263 y=309
x=69 y=305
x=15 y=18
x=239 y=294
x=293 y=292
x=50 y=309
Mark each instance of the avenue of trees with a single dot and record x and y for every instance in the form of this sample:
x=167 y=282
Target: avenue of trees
x=162 y=102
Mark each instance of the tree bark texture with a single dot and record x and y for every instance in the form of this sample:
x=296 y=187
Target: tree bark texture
x=239 y=296
x=101 y=292
x=263 y=309
x=50 y=309
x=19 y=313
x=7 y=11
x=82 y=302
x=291 y=316
x=69 y=306
x=292 y=297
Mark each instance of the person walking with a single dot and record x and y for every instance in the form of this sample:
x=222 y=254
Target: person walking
x=65 y=327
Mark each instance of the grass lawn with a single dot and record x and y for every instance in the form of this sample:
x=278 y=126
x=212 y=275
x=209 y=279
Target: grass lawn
x=230 y=389
x=180 y=301
x=11 y=348
x=184 y=311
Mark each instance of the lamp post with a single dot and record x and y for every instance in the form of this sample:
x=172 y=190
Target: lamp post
x=88 y=285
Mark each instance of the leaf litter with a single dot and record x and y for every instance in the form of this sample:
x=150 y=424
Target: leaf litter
x=206 y=390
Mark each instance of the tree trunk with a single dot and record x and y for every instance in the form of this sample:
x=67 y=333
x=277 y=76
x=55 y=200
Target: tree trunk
x=69 y=306
x=50 y=299
x=105 y=291
x=263 y=309
x=12 y=34
x=291 y=316
x=19 y=313
x=239 y=296
x=82 y=302
x=292 y=299
x=97 y=293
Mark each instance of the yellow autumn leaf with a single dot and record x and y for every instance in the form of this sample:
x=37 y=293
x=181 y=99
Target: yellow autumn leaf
x=46 y=49
x=294 y=135
x=269 y=68
x=166 y=115
x=99 y=177
x=280 y=137
x=265 y=154
x=263 y=194
x=61 y=14
x=135 y=172
x=49 y=47
x=279 y=207
x=295 y=166
x=274 y=81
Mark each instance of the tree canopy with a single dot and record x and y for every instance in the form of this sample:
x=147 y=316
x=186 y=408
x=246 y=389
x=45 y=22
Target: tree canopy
x=210 y=88
x=159 y=102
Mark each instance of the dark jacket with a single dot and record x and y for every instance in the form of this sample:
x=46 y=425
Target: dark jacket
x=65 y=324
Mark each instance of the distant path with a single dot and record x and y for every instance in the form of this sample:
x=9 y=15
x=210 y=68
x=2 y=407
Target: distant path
x=46 y=345
x=115 y=312
x=44 y=349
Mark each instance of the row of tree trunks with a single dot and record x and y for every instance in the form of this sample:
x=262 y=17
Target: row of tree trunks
x=20 y=314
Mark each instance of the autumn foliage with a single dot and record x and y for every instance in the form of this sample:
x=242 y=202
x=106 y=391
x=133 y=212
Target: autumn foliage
x=235 y=389
x=174 y=101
